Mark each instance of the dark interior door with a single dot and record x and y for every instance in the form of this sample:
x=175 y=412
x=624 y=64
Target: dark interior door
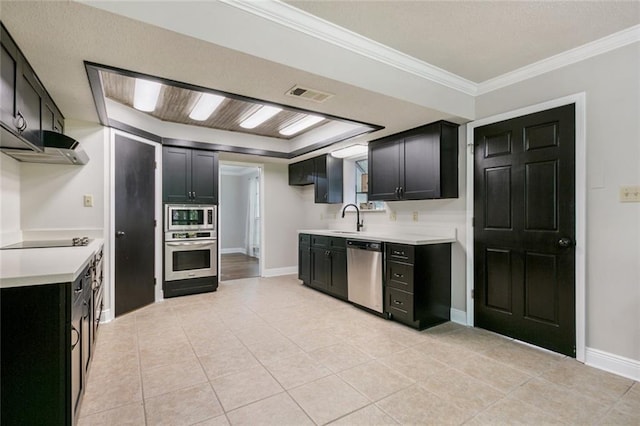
x=524 y=229
x=134 y=223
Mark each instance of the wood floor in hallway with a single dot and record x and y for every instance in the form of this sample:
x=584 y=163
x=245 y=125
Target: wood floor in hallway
x=234 y=266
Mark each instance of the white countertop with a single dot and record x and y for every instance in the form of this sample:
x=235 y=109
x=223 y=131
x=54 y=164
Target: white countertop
x=25 y=267
x=388 y=237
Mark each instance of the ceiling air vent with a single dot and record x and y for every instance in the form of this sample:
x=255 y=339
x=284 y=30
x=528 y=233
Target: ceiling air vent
x=309 y=94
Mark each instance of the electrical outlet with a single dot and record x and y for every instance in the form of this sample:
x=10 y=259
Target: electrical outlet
x=392 y=216
x=630 y=194
x=87 y=200
x=415 y=216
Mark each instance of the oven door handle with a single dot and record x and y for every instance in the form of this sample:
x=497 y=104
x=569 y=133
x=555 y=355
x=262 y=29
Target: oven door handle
x=204 y=243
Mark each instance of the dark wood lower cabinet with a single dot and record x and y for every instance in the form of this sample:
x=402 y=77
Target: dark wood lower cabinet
x=323 y=264
x=418 y=284
x=45 y=351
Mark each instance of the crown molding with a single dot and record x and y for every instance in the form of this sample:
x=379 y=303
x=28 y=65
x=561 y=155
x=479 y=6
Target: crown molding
x=303 y=22
x=568 y=57
x=306 y=23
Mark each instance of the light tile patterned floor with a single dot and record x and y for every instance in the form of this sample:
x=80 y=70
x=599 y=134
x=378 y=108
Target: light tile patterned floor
x=269 y=351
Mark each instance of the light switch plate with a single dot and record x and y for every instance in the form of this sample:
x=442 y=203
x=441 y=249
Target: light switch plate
x=630 y=194
x=392 y=216
x=87 y=200
x=415 y=216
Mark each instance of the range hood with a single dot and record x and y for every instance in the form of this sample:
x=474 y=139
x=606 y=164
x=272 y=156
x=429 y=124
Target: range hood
x=58 y=149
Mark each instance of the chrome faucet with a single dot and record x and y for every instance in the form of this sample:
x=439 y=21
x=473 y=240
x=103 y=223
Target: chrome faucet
x=359 y=225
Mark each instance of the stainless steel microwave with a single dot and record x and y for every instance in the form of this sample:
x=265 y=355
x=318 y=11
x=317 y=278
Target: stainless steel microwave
x=183 y=217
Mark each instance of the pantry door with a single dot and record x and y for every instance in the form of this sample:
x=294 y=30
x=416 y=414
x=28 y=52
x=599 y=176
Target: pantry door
x=524 y=231
x=134 y=224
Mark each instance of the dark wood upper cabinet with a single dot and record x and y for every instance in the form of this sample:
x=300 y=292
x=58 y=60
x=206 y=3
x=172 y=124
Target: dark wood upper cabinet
x=204 y=176
x=189 y=176
x=328 y=179
x=26 y=108
x=418 y=164
x=325 y=172
x=301 y=173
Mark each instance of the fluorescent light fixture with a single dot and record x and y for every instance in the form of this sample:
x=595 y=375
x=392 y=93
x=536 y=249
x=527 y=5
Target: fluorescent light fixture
x=300 y=125
x=349 y=151
x=260 y=116
x=205 y=106
x=145 y=94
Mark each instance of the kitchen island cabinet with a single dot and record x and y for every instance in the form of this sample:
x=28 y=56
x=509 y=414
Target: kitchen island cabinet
x=189 y=176
x=418 y=164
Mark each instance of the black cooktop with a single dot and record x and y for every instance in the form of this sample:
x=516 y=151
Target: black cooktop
x=75 y=242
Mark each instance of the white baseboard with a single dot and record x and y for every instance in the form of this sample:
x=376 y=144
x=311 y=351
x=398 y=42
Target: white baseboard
x=233 y=250
x=107 y=316
x=612 y=363
x=458 y=316
x=276 y=272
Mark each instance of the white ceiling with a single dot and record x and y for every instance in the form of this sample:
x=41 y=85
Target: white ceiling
x=478 y=40
x=228 y=46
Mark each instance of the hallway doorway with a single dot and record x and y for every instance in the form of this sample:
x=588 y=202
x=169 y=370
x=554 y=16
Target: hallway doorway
x=240 y=232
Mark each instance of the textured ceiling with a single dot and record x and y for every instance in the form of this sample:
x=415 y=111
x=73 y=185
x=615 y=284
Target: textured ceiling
x=57 y=37
x=478 y=40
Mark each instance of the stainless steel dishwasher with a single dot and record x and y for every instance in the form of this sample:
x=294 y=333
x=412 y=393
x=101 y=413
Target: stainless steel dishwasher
x=364 y=274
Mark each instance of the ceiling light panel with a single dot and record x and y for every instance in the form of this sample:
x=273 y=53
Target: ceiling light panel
x=146 y=94
x=300 y=125
x=349 y=151
x=260 y=116
x=176 y=104
x=205 y=106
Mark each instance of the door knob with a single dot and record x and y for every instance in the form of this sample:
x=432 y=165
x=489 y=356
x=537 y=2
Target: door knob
x=565 y=242
x=120 y=234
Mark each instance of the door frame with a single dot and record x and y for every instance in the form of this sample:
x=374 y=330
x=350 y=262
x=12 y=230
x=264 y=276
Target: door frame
x=110 y=246
x=579 y=99
x=260 y=167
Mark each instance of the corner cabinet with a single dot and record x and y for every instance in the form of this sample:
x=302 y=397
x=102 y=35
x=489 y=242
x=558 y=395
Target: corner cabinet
x=25 y=106
x=418 y=284
x=418 y=164
x=324 y=172
x=189 y=176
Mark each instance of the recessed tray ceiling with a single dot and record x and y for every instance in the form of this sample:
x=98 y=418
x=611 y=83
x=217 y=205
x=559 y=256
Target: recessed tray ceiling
x=175 y=104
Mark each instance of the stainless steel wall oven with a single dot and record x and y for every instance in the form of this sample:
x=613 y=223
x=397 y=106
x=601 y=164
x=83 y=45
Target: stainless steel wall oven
x=190 y=249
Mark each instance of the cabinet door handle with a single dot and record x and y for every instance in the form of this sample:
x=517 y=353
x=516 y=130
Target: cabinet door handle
x=397 y=302
x=193 y=195
x=20 y=122
x=401 y=192
x=73 y=345
x=398 y=253
x=398 y=275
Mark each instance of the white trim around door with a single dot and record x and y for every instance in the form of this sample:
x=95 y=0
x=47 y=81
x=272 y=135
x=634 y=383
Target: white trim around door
x=260 y=167
x=579 y=100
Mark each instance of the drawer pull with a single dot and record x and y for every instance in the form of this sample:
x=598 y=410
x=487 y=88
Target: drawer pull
x=398 y=253
x=398 y=275
x=397 y=302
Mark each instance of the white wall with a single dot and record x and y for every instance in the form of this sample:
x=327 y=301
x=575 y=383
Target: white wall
x=52 y=194
x=612 y=85
x=10 y=230
x=234 y=207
